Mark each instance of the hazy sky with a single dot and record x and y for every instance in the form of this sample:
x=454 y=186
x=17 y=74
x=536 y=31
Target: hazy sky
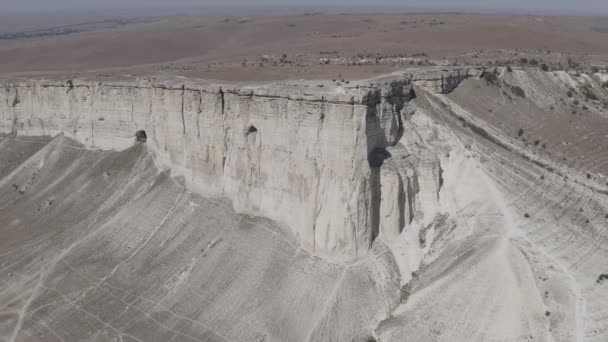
x=574 y=6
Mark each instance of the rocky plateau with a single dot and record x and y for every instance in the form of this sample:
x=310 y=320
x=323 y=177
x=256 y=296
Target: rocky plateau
x=441 y=204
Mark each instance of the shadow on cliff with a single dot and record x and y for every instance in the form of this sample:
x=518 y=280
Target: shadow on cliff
x=384 y=128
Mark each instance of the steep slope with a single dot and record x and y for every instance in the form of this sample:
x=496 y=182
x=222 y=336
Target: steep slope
x=521 y=229
x=111 y=248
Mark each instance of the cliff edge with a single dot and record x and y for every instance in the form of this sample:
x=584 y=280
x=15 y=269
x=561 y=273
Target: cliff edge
x=301 y=155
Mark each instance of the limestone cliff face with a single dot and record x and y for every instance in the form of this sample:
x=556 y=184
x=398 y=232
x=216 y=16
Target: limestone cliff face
x=306 y=157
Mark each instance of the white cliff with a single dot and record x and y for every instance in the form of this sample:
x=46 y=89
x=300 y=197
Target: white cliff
x=468 y=216
x=293 y=154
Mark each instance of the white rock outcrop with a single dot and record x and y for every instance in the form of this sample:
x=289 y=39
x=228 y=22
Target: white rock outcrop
x=298 y=155
x=444 y=80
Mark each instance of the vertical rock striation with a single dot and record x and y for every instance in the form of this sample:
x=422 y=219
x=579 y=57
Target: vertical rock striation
x=308 y=158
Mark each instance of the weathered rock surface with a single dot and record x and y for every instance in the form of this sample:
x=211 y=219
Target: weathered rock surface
x=102 y=246
x=442 y=81
x=295 y=155
x=478 y=215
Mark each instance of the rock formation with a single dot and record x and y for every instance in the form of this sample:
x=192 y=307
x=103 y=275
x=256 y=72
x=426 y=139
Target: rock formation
x=404 y=209
x=302 y=157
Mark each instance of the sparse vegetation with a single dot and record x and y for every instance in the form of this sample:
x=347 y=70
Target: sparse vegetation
x=587 y=92
x=517 y=90
x=490 y=77
x=405 y=292
x=572 y=64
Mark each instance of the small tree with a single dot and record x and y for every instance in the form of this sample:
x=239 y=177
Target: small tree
x=490 y=77
x=517 y=90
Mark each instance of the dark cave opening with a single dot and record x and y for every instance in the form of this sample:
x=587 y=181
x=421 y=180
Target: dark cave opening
x=141 y=136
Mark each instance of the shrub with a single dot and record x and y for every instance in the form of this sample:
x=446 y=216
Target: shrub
x=587 y=92
x=572 y=64
x=490 y=77
x=509 y=69
x=595 y=70
x=518 y=91
x=570 y=93
x=520 y=132
x=544 y=67
x=533 y=62
x=526 y=215
x=605 y=85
